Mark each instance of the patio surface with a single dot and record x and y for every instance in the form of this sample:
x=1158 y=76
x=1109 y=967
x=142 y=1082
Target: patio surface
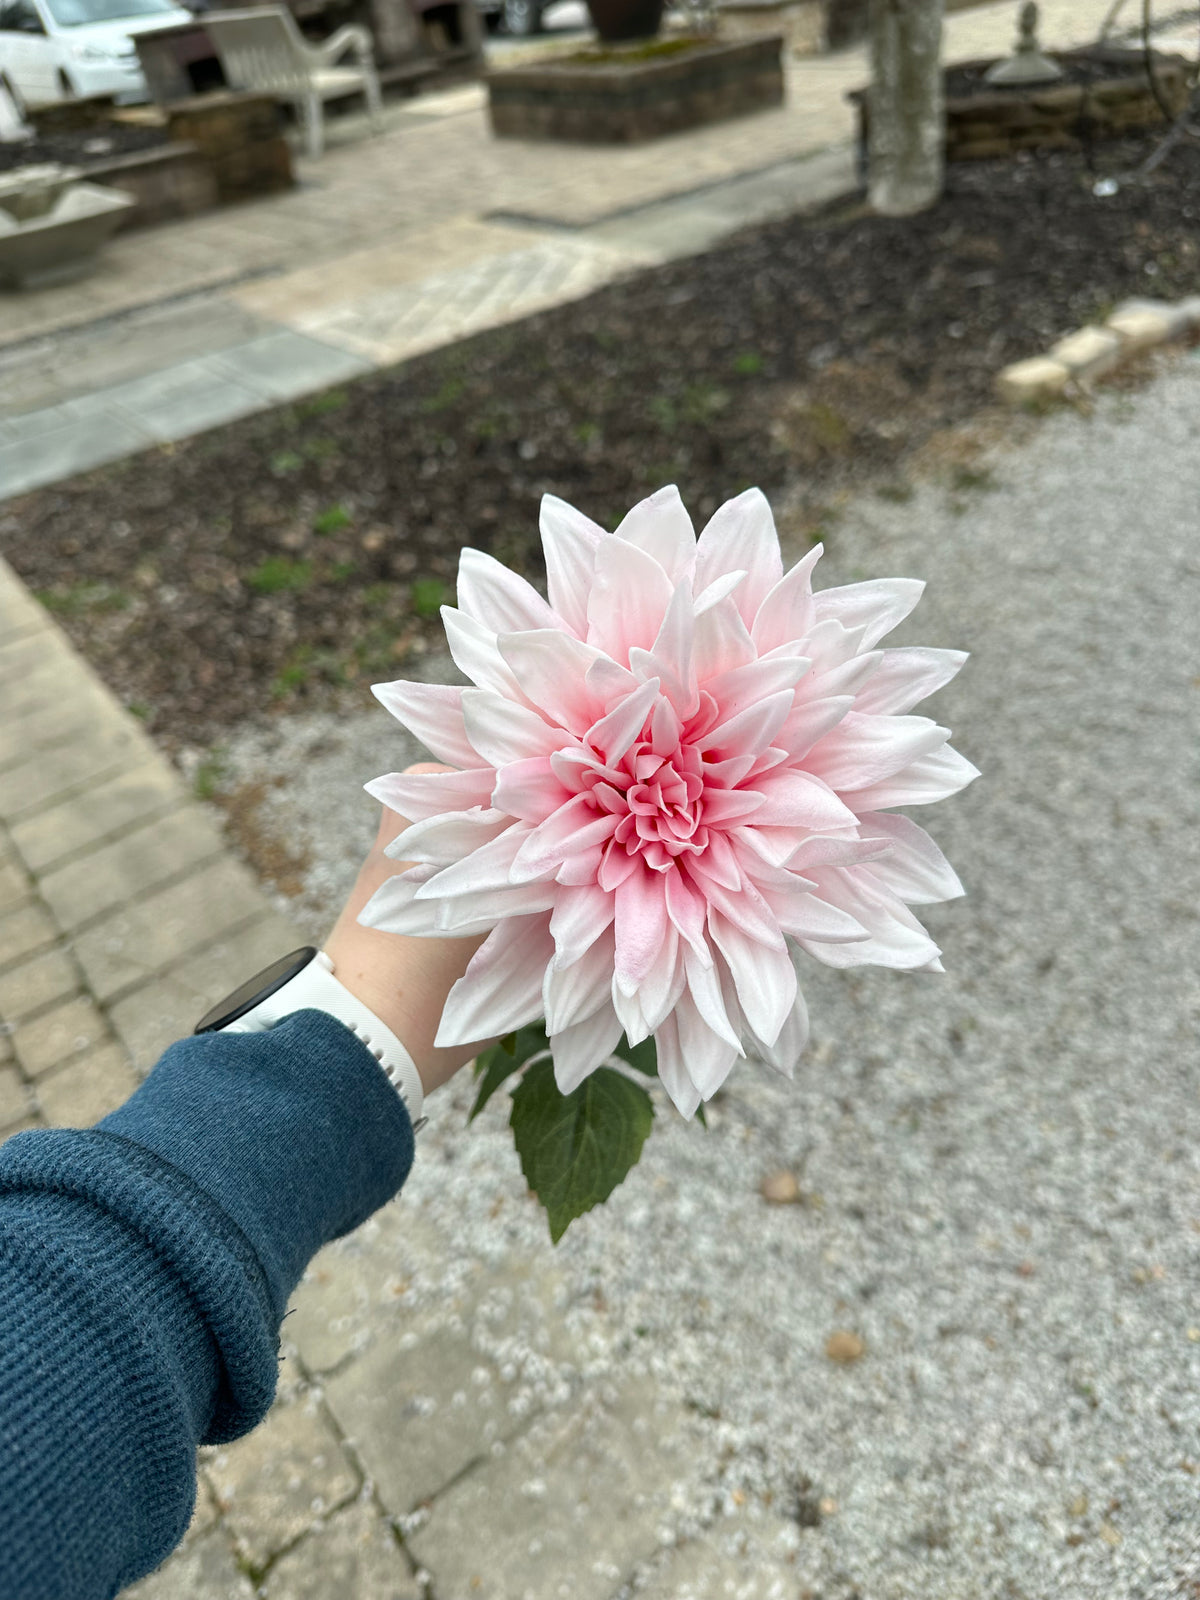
x=397 y=244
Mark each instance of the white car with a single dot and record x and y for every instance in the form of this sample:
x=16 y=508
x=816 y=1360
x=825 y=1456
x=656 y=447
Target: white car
x=60 y=49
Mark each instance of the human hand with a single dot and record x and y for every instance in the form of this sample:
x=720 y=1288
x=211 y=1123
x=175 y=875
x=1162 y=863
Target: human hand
x=404 y=981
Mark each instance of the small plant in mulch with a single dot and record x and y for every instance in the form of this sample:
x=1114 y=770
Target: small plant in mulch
x=334 y=520
x=288 y=560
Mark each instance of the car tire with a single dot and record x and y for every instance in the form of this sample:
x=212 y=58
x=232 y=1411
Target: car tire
x=522 y=18
x=66 y=88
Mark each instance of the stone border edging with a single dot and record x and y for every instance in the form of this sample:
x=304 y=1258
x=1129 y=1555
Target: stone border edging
x=1092 y=352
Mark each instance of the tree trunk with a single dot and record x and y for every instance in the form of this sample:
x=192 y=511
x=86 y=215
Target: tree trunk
x=906 y=121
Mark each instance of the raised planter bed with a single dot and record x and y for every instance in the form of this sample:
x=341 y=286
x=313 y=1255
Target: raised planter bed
x=625 y=94
x=240 y=136
x=801 y=22
x=1105 y=92
x=195 y=153
x=168 y=181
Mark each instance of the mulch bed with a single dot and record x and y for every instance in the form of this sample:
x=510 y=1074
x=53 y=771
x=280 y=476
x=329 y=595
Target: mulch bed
x=286 y=561
x=80 y=147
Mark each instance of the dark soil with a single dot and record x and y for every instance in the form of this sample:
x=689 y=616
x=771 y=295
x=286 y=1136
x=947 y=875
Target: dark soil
x=287 y=560
x=81 y=147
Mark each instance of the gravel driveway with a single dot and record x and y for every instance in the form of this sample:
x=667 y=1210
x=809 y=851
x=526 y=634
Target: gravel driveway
x=999 y=1168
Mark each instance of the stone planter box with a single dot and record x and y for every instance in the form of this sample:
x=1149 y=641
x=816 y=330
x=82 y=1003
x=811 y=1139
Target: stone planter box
x=169 y=182
x=1055 y=116
x=240 y=136
x=1063 y=116
x=600 y=98
x=801 y=22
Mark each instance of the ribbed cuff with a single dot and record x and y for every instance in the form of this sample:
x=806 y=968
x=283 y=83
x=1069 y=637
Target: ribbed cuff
x=296 y=1134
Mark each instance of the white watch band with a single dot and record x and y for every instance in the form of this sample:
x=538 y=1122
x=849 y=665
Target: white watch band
x=316 y=988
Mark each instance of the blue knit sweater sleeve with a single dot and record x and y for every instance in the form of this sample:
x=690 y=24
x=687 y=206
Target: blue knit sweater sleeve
x=145 y=1266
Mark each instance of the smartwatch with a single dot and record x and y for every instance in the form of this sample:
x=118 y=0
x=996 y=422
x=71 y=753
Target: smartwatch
x=303 y=981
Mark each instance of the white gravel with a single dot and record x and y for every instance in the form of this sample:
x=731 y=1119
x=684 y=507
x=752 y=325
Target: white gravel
x=1001 y=1166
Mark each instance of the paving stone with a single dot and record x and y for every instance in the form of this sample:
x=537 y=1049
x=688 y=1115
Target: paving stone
x=15 y=1102
x=23 y=737
x=130 y=866
x=79 y=1094
x=49 y=687
x=96 y=752
x=354 y=1554
x=37 y=421
x=37 y=983
x=425 y=1398
x=392 y=323
x=69 y=1030
x=183 y=400
x=23 y=625
x=281 y=1480
x=354 y=1290
x=24 y=931
x=202 y=1569
x=15 y=887
x=168 y=1008
x=77 y=445
x=19 y=655
x=140 y=941
x=417 y=1413
x=1088 y=352
x=568 y=1509
x=1039 y=378
x=107 y=808
x=18 y=609
x=282 y=365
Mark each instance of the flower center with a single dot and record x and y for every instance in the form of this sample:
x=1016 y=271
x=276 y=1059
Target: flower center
x=659 y=800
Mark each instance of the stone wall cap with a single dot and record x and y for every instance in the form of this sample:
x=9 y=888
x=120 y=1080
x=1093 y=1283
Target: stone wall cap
x=566 y=71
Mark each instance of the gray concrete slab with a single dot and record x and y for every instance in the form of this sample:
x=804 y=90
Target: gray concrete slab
x=283 y=365
x=183 y=400
x=45 y=372
x=696 y=222
x=79 y=444
x=43 y=420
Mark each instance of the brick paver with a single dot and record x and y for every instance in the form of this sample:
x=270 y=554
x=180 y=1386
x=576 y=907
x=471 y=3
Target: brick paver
x=122 y=917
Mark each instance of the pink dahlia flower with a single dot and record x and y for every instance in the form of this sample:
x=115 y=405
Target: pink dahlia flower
x=669 y=776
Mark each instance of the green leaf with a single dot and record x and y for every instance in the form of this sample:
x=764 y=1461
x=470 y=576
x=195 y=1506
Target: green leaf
x=576 y=1148
x=643 y=1056
x=493 y=1066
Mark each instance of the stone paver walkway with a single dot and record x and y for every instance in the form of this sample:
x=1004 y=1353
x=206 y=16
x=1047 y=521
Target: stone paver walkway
x=398 y=244
x=397 y=1458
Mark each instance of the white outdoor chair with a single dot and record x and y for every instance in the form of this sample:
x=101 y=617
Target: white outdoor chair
x=263 y=50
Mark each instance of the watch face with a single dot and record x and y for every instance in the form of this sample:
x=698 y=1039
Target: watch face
x=264 y=983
